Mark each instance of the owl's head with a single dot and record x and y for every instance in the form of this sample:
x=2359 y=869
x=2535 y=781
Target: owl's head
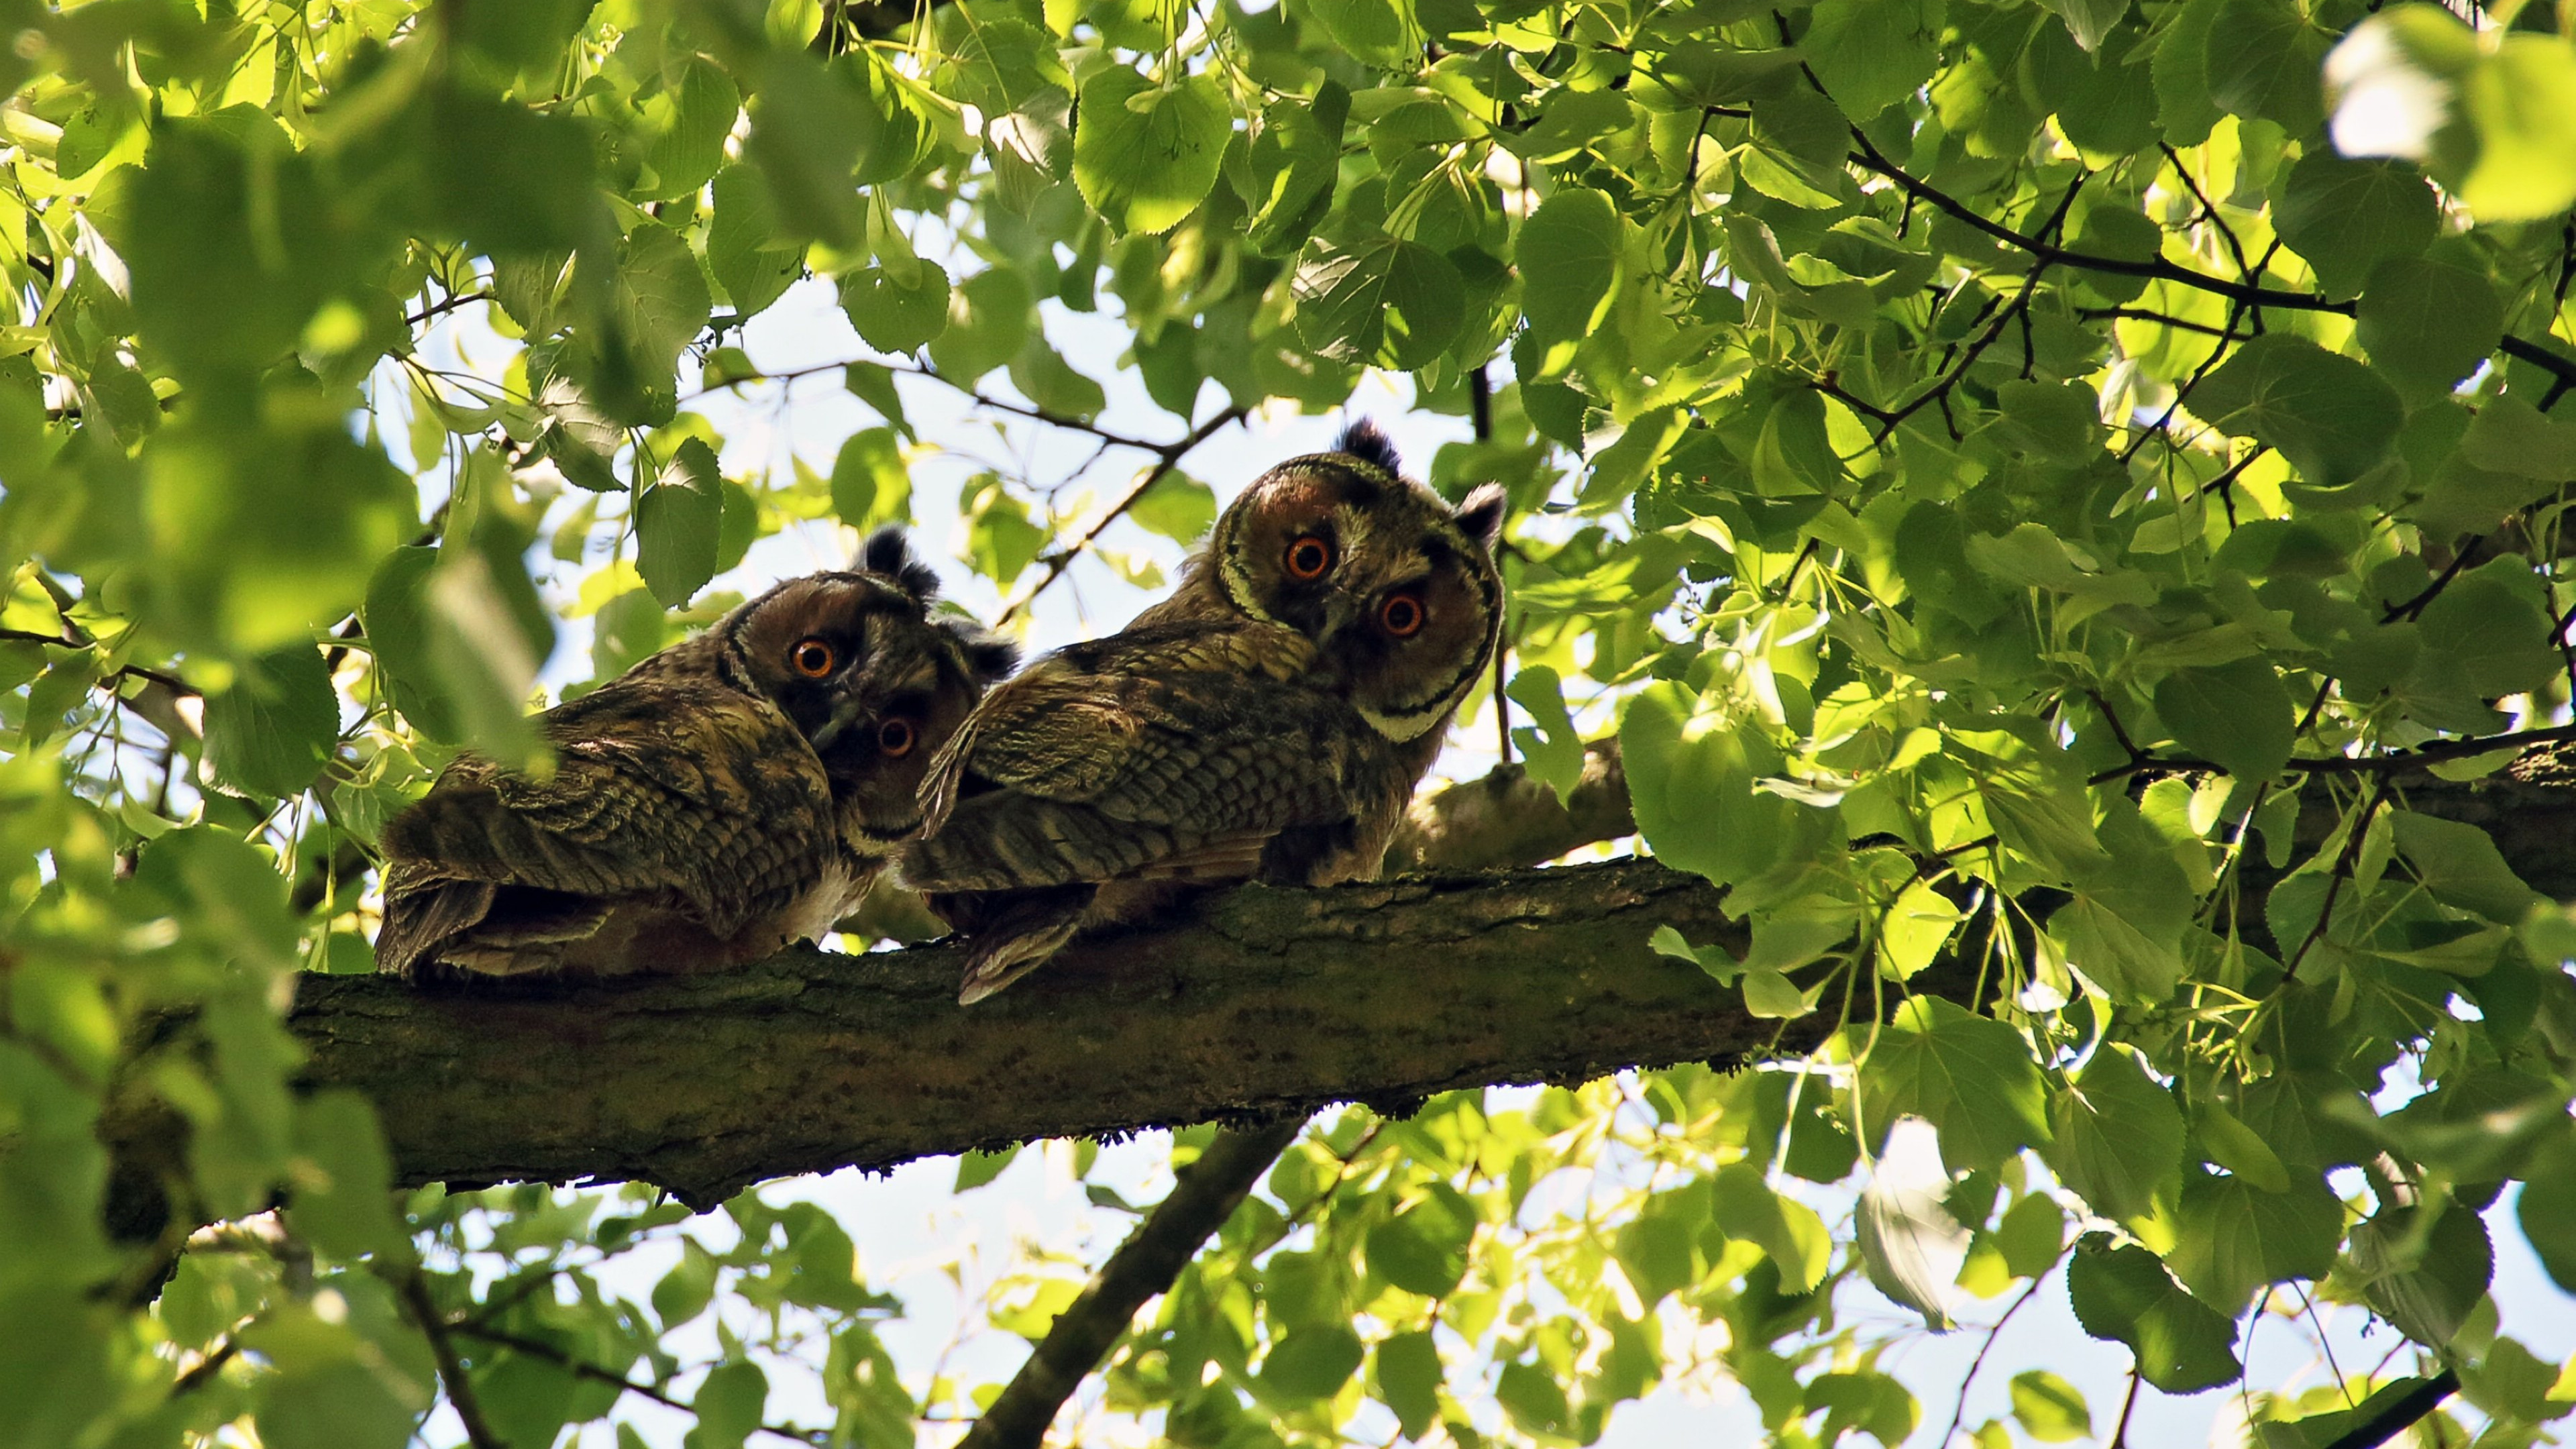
x=1397 y=588
x=872 y=675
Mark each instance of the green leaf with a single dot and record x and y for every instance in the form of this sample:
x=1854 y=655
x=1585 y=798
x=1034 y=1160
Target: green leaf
x=2424 y=1277
x=270 y=733
x=1382 y=33
x=991 y=316
x=1915 y=929
x=1295 y=162
x=897 y=308
x=2234 y=1239
x=1177 y=506
x=2123 y=1294
x=2460 y=865
x=729 y=1404
x=343 y=1204
x=2549 y=1184
x=1910 y=1246
x=1046 y=379
x=2263 y=63
x=332 y=1405
x=676 y=522
x=1421 y=1250
x=2427 y=324
x=1690 y=781
x=1568 y=256
x=1312 y=1362
x=1970 y=1076
x=692 y=118
x=2346 y=217
x=870 y=485
x=2239 y=715
x=2118 y=1137
x=1000 y=539
x=2521 y=103
x=1551 y=748
x=2495 y=637
x=1146 y=156
x=1393 y=303
x=2048 y=1408
x=975 y=1169
x=750 y=263
x=807 y=125
x=396 y=620
x=2333 y=418
x=1788 y=1232
x=1407 y=1375
x=685 y=1291
x=1873 y=53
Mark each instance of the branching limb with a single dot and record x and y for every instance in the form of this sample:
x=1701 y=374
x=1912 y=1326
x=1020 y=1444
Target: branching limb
x=452 y=1375
x=1167 y=457
x=1205 y=1194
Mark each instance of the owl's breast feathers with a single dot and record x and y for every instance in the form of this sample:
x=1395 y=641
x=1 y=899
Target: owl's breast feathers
x=671 y=796
x=1175 y=750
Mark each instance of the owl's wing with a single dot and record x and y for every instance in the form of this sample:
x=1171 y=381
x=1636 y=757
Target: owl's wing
x=1089 y=777
x=674 y=788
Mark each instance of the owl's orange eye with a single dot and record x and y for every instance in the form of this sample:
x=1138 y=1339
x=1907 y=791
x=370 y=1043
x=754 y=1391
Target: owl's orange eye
x=1402 y=614
x=895 y=738
x=1309 y=557
x=811 y=658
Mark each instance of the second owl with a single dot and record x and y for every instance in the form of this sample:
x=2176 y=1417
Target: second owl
x=1267 y=722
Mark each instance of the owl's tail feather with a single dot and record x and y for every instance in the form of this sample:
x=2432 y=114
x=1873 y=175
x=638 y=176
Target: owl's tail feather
x=1019 y=937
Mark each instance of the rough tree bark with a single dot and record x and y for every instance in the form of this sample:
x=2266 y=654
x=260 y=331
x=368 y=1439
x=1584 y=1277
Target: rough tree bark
x=1257 y=1005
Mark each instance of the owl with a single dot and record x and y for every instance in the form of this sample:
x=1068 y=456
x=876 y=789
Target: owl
x=1266 y=722
x=727 y=796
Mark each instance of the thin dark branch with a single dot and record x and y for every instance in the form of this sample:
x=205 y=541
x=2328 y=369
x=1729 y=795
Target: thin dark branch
x=2020 y=303
x=2128 y=1406
x=170 y=682
x=2343 y=866
x=1868 y=157
x=206 y=1368
x=2394 y=762
x=1959 y=1411
x=2415 y=606
x=414 y=1290
x=2143 y=314
x=582 y=1369
x=2208 y=209
x=1167 y=457
x=1205 y=1194
x=2401 y=1412
x=444 y=305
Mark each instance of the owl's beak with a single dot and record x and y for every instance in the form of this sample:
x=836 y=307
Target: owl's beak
x=852 y=709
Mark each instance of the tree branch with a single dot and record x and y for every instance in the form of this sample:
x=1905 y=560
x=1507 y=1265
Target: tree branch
x=1204 y=1195
x=1166 y=457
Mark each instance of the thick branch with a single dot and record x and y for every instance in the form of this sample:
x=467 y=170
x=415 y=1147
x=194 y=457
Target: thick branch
x=1258 y=1005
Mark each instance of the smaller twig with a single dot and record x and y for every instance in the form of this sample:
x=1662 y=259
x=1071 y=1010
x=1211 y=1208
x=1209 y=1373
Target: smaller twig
x=1167 y=457
x=451 y=1369
x=2344 y=862
x=582 y=1369
x=449 y=303
x=2128 y=1405
x=1959 y=1411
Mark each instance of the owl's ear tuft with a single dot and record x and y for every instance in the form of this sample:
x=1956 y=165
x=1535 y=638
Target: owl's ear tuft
x=1481 y=514
x=889 y=553
x=989 y=657
x=1366 y=441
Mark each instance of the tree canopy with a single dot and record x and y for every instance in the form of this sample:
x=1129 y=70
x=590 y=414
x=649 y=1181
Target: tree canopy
x=2055 y=509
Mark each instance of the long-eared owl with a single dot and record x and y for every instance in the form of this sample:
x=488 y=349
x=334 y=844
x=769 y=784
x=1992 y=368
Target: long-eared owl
x=1268 y=721
x=731 y=794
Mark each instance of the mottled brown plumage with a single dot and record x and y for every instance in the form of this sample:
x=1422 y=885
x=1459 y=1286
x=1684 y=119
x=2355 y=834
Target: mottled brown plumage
x=1268 y=721
x=724 y=797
